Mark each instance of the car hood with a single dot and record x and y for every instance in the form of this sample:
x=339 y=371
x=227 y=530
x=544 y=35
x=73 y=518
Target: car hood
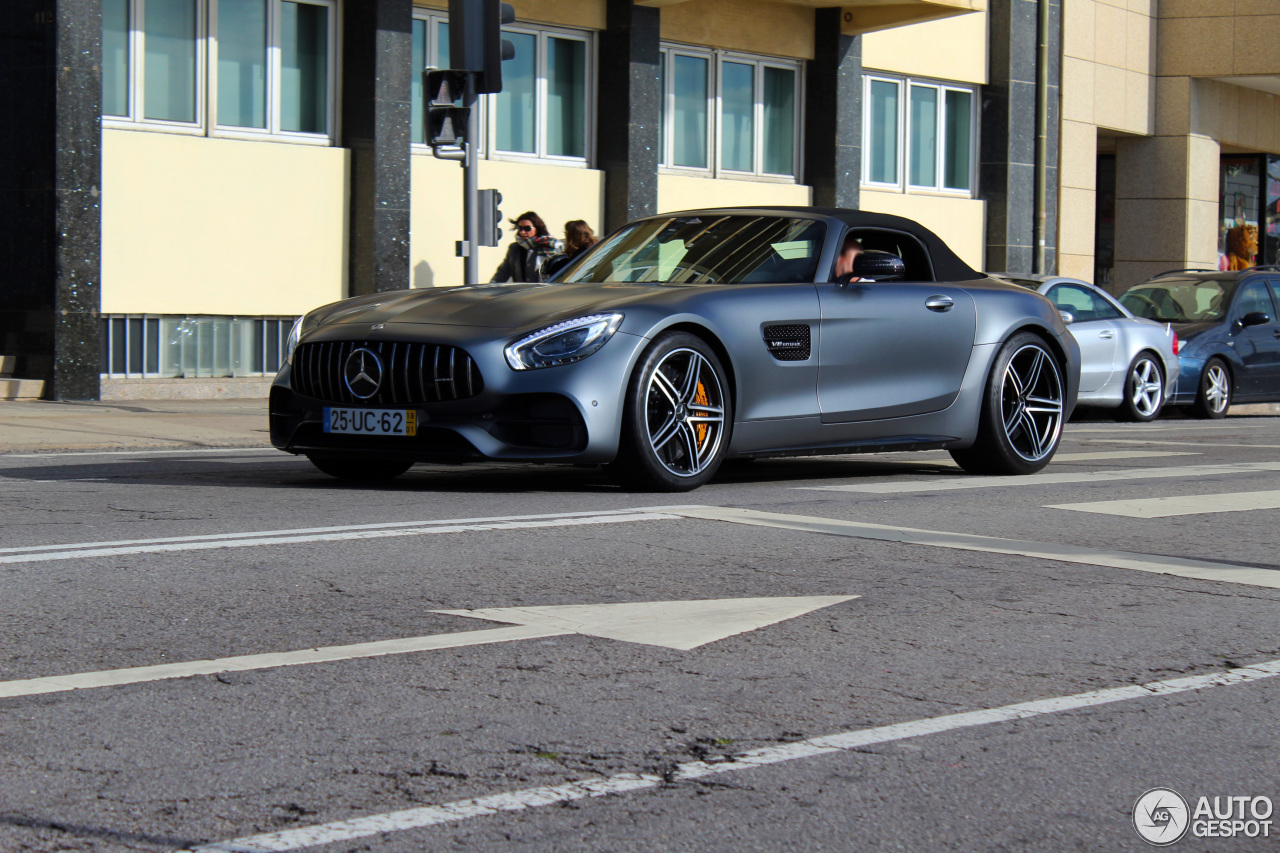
x=491 y=306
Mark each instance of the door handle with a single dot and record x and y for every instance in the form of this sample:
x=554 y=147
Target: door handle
x=1275 y=333
x=1106 y=336
x=939 y=303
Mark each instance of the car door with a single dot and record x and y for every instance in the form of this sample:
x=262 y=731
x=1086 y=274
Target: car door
x=891 y=349
x=1094 y=328
x=1257 y=346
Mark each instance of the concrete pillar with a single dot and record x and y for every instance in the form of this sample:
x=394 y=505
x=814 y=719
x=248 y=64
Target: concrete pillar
x=1006 y=169
x=377 y=56
x=833 y=114
x=1078 y=194
x=630 y=112
x=1166 y=206
x=50 y=184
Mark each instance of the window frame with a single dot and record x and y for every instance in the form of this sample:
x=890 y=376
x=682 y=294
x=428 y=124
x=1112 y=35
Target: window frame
x=902 y=154
x=153 y=329
x=716 y=59
x=206 y=78
x=136 y=76
x=273 y=130
x=489 y=105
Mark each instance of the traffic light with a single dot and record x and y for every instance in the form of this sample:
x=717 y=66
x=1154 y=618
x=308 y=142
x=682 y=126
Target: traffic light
x=490 y=218
x=476 y=42
x=446 y=123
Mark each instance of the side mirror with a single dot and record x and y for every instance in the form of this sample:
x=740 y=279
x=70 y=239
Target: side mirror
x=1253 y=318
x=878 y=266
x=1067 y=316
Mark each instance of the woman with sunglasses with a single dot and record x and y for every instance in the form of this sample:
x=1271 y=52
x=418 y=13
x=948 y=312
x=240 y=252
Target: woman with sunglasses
x=533 y=245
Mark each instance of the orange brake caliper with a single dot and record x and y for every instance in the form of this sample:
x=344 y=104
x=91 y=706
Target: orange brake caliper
x=701 y=399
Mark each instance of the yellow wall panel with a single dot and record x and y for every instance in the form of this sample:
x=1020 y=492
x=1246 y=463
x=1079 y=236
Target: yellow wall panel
x=677 y=192
x=960 y=222
x=774 y=29
x=192 y=225
x=556 y=193
x=956 y=49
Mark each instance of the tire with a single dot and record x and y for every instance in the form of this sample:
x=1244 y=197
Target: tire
x=355 y=468
x=1144 y=390
x=1021 y=420
x=1214 y=396
x=677 y=417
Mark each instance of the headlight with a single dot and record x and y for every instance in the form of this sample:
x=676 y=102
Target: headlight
x=292 y=343
x=563 y=343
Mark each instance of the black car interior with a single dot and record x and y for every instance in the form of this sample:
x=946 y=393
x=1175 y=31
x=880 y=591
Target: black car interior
x=915 y=257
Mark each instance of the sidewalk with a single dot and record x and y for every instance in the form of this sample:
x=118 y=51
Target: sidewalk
x=118 y=425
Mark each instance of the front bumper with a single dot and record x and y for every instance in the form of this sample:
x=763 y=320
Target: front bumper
x=570 y=413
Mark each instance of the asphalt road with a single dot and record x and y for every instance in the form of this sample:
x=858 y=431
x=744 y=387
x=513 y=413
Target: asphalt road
x=847 y=724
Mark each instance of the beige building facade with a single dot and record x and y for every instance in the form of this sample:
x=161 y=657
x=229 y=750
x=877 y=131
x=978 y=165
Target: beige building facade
x=235 y=186
x=1170 y=135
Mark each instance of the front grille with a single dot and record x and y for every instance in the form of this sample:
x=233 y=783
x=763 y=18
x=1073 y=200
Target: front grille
x=788 y=343
x=411 y=372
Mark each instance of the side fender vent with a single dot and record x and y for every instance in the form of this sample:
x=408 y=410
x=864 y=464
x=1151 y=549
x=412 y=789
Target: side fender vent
x=788 y=343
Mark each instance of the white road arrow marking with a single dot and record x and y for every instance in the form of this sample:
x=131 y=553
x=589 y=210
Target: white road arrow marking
x=672 y=624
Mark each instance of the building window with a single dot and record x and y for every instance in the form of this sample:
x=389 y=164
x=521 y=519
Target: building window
x=919 y=135
x=173 y=346
x=727 y=113
x=543 y=110
x=269 y=66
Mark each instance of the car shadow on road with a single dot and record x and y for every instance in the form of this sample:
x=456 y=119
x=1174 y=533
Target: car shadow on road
x=484 y=477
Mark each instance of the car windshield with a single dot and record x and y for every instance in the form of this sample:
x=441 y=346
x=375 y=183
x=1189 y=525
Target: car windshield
x=713 y=249
x=1180 y=300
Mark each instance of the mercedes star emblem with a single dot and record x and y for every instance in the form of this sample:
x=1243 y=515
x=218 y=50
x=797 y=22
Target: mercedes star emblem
x=363 y=373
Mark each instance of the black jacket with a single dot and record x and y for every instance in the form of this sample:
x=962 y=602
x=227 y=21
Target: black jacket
x=523 y=264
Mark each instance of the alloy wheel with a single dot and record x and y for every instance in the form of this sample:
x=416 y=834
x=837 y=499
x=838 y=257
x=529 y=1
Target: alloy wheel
x=684 y=412
x=1031 y=403
x=1148 y=387
x=1217 y=390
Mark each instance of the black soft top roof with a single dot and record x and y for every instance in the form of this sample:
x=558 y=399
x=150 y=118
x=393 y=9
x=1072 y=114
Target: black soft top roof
x=947 y=266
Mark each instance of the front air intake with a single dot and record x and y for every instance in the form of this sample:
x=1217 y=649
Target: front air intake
x=788 y=343
x=409 y=373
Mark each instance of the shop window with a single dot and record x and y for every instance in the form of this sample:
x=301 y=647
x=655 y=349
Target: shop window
x=543 y=110
x=729 y=114
x=172 y=346
x=919 y=135
x=268 y=66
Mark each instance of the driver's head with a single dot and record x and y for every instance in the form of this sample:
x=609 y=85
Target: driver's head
x=848 y=251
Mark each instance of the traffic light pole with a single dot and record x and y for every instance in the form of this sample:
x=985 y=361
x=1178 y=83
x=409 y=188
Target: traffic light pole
x=470 y=186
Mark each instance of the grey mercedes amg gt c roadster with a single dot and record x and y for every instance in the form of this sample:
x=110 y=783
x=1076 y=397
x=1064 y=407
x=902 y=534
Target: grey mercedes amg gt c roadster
x=685 y=339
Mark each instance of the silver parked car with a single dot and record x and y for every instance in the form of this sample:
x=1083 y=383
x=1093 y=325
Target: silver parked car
x=684 y=339
x=1127 y=363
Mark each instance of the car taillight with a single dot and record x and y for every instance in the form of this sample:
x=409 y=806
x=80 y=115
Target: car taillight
x=1175 y=342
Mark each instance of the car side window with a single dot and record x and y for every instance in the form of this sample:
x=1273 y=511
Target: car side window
x=1275 y=297
x=915 y=258
x=1255 y=297
x=1083 y=304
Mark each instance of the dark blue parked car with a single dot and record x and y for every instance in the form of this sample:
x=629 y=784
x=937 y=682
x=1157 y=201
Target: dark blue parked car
x=1228 y=330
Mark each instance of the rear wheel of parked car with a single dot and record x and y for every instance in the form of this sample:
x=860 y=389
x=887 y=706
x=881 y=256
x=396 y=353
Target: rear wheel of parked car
x=1143 y=389
x=1214 y=397
x=355 y=468
x=1021 y=422
x=676 y=423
